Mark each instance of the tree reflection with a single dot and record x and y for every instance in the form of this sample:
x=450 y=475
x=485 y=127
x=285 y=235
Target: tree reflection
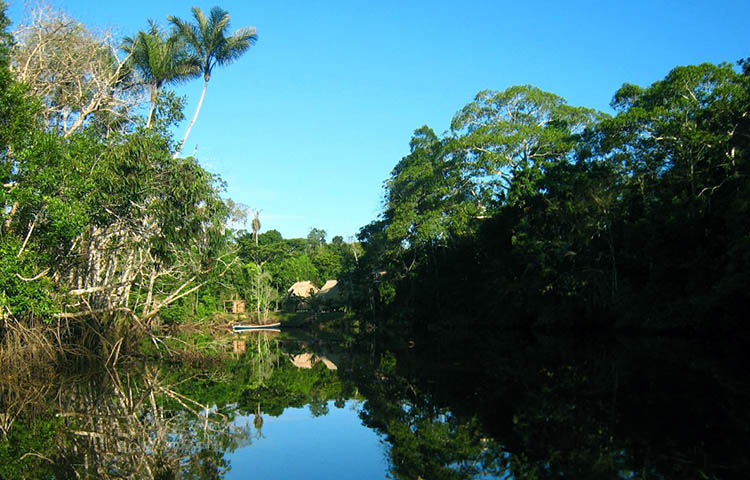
x=264 y=354
x=292 y=386
x=131 y=426
x=551 y=407
x=258 y=422
x=451 y=407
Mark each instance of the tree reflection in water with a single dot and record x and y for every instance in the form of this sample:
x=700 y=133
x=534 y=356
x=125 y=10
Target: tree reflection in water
x=121 y=425
x=483 y=406
x=560 y=407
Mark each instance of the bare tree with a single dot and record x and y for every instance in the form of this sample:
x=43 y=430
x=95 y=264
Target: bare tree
x=75 y=72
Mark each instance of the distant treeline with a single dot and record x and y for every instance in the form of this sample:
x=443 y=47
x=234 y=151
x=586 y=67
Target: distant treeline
x=531 y=212
x=262 y=270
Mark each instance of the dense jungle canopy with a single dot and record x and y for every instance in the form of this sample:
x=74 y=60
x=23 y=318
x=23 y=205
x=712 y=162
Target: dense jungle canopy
x=533 y=212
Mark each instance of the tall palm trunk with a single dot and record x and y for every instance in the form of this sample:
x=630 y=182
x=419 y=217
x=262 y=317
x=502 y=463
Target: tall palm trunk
x=153 y=107
x=192 y=122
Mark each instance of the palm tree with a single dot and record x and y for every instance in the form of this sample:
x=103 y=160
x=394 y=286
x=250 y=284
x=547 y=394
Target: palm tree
x=160 y=60
x=256 y=225
x=208 y=41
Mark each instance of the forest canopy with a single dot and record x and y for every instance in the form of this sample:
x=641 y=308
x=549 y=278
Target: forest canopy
x=532 y=212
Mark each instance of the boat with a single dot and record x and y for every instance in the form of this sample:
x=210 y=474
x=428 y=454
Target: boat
x=253 y=326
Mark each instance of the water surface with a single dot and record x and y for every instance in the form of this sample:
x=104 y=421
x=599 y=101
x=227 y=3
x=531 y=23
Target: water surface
x=307 y=405
x=298 y=444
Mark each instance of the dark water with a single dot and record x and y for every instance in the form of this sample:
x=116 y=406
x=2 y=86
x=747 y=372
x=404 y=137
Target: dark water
x=430 y=406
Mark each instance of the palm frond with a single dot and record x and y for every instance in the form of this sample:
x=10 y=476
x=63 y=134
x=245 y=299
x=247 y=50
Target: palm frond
x=208 y=39
x=158 y=58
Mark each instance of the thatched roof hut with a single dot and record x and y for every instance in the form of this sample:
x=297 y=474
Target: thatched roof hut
x=331 y=294
x=328 y=286
x=303 y=289
x=309 y=360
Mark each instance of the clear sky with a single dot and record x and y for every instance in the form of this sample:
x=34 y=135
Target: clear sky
x=308 y=124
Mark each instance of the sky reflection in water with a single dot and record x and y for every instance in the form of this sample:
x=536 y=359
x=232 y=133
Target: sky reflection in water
x=299 y=445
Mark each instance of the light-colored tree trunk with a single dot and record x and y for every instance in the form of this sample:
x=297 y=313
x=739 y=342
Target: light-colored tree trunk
x=192 y=122
x=149 y=295
x=154 y=93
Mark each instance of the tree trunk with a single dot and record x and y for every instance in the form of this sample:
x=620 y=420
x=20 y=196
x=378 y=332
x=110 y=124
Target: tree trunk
x=149 y=295
x=153 y=107
x=192 y=122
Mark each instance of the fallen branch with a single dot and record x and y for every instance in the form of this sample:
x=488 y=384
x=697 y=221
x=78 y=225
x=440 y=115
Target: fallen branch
x=94 y=312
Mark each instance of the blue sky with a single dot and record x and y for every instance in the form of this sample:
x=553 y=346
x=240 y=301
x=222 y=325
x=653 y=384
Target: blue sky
x=309 y=123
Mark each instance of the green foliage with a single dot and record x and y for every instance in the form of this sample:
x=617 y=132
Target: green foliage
x=532 y=207
x=316 y=238
x=508 y=138
x=208 y=39
x=500 y=147
x=287 y=261
x=328 y=265
x=294 y=269
x=33 y=436
x=167 y=112
x=6 y=39
x=270 y=237
x=160 y=60
x=20 y=296
x=420 y=194
x=97 y=218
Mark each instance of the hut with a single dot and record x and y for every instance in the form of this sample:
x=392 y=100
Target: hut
x=330 y=295
x=303 y=289
x=329 y=285
x=309 y=360
x=299 y=294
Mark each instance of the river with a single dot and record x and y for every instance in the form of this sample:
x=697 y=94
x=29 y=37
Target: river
x=323 y=405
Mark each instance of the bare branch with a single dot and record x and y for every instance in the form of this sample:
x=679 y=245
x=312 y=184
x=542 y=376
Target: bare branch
x=36 y=277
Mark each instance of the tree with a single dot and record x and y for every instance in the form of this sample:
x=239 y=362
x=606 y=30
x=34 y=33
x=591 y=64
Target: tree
x=208 y=41
x=261 y=292
x=328 y=264
x=23 y=291
x=683 y=130
x=507 y=138
x=442 y=195
x=681 y=148
x=160 y=60
x=499 y=147
x=424 y=193
x=269 y=237
x=75 y=73
x=316 y=238
x=256 y=225
x=293 y=269
x=6 y=39
x=105 y=221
